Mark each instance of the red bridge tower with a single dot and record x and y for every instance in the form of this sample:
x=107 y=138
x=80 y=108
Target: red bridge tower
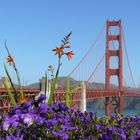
x=114 y=104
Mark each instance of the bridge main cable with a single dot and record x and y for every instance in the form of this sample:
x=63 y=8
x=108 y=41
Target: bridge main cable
x=93 y=45
x=128 y=59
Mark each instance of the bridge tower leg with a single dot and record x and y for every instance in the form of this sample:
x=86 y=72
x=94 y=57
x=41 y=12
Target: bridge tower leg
x=114 y=104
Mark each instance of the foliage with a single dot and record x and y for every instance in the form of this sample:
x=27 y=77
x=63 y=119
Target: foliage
x=34 y=120
x=69 y=92
x=18 y=96
x=10 y=60
x=60 y=51
x=12 y=100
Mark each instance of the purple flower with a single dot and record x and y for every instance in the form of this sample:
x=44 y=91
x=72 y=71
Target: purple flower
x=18 y=111
x=132 y=137
x=69 y=128
x=60 y=122
x=105 y=137
x=15 y=110
x=38 y=119
x=138 y=132
x=27 y=119
x=26 y=105
x=10 y=121
x=63 y=121
x=50 y=123
x=42 y=108
x=13 y=138
x=123 y=135
x=41 y=98
x=98 y=126
x=62 y=135
x=58 y=106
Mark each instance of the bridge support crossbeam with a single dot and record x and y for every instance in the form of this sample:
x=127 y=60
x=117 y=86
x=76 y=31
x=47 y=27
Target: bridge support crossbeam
x=113 y=104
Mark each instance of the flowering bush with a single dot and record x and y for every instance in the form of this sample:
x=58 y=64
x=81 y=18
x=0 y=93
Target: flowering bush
x=37 y=120
x=59 y=51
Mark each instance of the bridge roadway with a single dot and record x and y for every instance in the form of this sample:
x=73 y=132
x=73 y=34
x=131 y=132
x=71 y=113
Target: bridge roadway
x=90 y=94
x=26 y=90
x=93 y=94
x=4 y=98
x=29 y=91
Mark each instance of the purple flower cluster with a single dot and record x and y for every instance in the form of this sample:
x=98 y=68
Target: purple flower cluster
x=36 y=120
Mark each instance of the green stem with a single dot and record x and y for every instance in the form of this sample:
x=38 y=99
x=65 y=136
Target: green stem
x=16 y=70
x=59 y=64
x=53 y=85
x=18 y=78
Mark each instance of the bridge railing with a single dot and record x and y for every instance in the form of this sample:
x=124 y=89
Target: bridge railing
x=5 y=100
x=31 y=93
x=75 y=97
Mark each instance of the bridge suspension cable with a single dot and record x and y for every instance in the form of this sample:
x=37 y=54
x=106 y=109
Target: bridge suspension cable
x=128 y=59
x=98 y=64
x=90 y=49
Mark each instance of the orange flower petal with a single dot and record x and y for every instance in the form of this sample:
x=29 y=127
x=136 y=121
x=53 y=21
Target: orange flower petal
x=67 y=46
x=69 y=55
x=23 y=100
x=10 y=59
x=58 y=50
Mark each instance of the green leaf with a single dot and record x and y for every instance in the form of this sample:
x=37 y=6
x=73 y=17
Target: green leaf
x=75 y=89
x=7 y=48
x=7 y=73
x=12 y=100
x=69 y=92
x=14 y=66
x=53 y=85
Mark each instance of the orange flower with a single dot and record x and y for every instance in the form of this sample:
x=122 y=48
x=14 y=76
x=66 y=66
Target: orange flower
x=67 y=46
x=23 y=100
x=10 y=59
x=58 y=50
x=69 y=55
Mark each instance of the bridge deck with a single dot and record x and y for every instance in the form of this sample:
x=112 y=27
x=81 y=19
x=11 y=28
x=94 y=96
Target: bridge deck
x=91 y=94
x=75 y=98
x=31 y=90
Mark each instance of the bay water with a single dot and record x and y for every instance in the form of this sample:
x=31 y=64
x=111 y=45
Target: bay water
x=126 y=112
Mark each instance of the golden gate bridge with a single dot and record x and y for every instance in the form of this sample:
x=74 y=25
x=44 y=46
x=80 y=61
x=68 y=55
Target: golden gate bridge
x=84 y=71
